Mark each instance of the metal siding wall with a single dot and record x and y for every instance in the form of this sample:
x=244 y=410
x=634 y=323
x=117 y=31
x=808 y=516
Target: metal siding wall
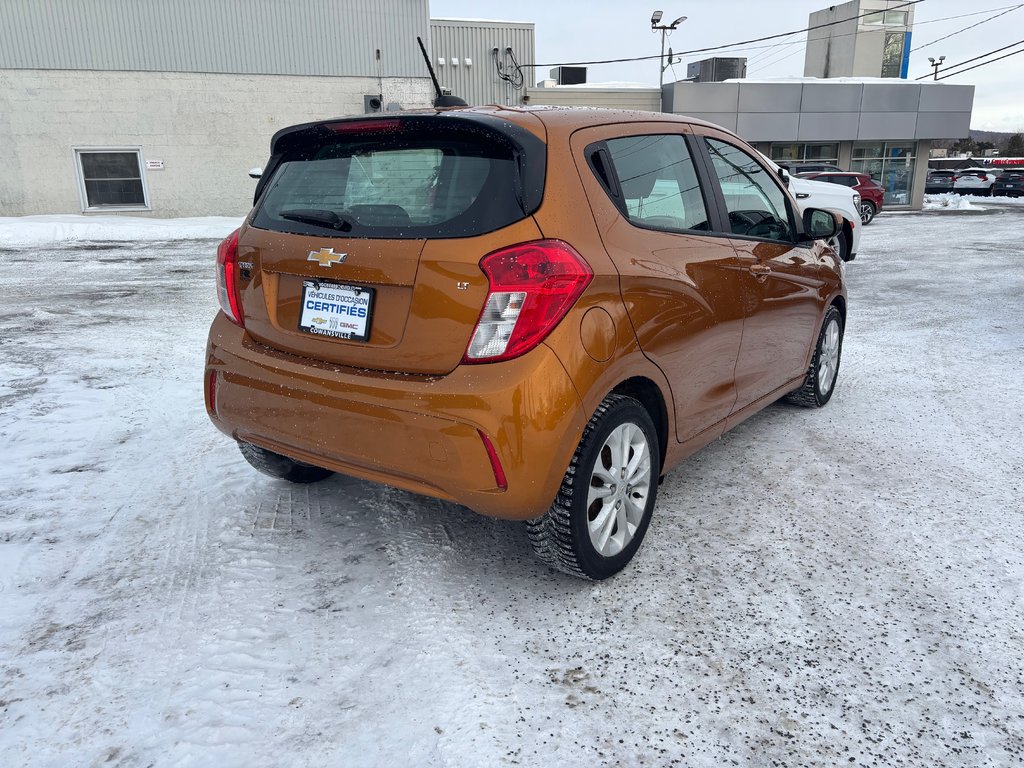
x=293 y=37
x=475 y=40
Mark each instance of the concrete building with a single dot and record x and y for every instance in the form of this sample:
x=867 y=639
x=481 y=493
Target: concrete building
x=876 y=126
x=609 y=95
x=862 y=38
x=160 y=107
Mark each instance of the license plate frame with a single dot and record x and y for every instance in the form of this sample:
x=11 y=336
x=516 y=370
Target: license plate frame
x=336 y=310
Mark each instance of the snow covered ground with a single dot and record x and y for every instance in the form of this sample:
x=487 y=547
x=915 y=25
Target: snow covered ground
x=818 y=588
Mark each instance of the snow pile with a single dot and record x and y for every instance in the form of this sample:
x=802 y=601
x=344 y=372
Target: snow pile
x=948 y=201
x=39 y=230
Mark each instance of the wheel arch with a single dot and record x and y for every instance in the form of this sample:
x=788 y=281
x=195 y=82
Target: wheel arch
x=848 y=231
x=839 y=302
x=650 y=397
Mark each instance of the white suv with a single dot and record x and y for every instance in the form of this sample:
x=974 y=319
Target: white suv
x=834 y=197
x=974 y=181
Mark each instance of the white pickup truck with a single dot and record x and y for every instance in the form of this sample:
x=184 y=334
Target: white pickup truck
x=834 y=197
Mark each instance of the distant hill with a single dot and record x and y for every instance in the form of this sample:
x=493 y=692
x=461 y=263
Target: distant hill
x=996 y=137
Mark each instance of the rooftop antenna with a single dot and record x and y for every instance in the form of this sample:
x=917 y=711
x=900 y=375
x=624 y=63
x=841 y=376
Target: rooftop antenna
x=380 y=82
x=442 y=100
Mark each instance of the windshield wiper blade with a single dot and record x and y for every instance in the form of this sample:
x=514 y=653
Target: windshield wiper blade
x=319 y=217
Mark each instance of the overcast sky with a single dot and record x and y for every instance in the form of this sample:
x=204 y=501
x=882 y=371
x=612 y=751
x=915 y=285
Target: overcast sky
x=605 y=29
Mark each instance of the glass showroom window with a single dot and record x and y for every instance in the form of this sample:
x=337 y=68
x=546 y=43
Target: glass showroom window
x=111 y=179
x=891 y=165
x=798 y=153
x=892 y=54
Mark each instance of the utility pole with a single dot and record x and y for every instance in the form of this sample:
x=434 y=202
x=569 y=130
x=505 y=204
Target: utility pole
x=935 y=65
x=655 y=18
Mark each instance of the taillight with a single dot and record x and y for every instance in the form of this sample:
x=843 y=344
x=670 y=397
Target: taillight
x=227 y=279
x=532 y=286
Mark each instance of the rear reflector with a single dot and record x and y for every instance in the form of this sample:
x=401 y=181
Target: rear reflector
x=492 y=454
x=211 y=393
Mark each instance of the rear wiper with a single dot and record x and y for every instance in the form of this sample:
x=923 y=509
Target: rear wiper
x=318 y=217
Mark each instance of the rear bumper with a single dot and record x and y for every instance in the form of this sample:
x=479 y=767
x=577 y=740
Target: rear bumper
x=419 y=433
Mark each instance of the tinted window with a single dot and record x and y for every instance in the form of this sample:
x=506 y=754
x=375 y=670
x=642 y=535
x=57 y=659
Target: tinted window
x=112 y=179
x=658 y=182
x=846 y=181
x=406 y=185
x=757 y=207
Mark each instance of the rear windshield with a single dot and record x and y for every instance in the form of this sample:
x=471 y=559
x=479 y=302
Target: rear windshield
x=405 y=184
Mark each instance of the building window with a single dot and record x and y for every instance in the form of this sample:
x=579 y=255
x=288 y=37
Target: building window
x=892 y=54
x=891 y=165
x=886 y=19
x=799 y=153
x=111 y=179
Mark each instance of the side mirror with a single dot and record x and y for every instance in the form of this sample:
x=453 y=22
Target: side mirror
x=820 y=224
x=255 y=173
x=784 y=175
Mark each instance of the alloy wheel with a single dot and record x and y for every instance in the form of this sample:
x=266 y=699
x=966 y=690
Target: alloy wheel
x=828 y=357
x=620 y=485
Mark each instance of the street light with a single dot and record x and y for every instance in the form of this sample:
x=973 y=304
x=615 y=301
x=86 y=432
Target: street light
x=936 y=64
x=655 y=18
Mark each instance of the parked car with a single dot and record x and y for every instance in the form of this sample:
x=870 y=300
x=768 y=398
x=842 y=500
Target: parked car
x=1009 y=182
x=872 y=195
x=818 y=194
x=974 y=181
x=504 y=308
x=939 y=181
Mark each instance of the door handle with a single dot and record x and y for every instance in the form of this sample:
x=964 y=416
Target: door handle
x=760 y=270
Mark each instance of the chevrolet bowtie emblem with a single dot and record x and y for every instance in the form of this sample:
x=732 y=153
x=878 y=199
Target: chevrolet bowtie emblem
x=326 y=257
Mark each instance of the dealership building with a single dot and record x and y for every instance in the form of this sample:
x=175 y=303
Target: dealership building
x=161 y=107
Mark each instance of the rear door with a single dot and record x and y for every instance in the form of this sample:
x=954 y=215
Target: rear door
x=679 y=283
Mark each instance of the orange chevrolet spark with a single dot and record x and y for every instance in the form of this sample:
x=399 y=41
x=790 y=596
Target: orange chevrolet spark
x=533 y=312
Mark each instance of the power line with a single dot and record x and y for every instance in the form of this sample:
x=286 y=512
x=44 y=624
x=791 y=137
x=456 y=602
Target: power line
x=718 y=47
x=983 y=21
x=1007 y=55
x=968 y=61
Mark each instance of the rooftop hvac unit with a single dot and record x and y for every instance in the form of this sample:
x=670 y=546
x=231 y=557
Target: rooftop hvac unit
x=717 y=69
x=569 y=75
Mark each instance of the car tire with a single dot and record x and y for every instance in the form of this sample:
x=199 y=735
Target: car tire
x=601 y=513
x=867 y=212
x=281 y=467
x=840 y=243
x=820 y=382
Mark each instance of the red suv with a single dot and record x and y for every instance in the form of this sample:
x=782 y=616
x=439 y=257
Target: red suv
x=871 y=194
